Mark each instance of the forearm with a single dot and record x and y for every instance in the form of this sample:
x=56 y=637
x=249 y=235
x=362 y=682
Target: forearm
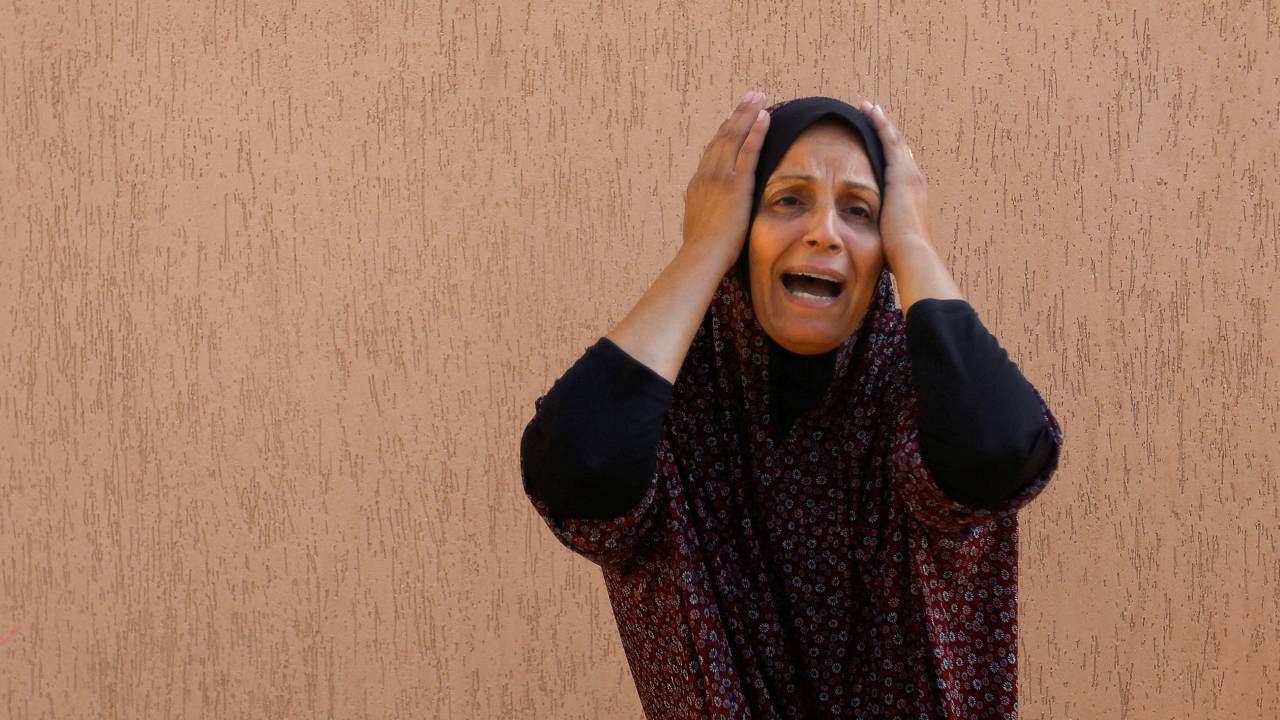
x=920 y=273
x=589 y=450
x=659 y=329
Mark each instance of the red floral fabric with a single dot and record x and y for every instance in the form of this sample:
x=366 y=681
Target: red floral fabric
x=821 y=576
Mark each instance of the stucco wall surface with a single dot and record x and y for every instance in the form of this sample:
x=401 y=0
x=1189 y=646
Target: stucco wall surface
x=279 y=283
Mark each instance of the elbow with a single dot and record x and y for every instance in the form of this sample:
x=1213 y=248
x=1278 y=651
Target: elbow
x=983 y=475
x=576 y=480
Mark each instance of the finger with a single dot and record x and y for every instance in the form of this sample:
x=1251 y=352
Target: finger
x=877 y=118
x=709 y=160
x=743 y=119
x=712 y=151
x=880 y=123
x=896 y=149
x=749 y=154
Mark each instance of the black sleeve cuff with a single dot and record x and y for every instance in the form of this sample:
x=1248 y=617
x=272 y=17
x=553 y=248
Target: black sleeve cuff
x=591 y=449
x=980 y=427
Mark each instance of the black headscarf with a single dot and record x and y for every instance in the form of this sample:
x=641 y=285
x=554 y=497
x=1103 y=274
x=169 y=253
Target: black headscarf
x=796 y=381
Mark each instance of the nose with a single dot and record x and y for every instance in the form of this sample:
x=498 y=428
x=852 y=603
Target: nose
x=823 y=233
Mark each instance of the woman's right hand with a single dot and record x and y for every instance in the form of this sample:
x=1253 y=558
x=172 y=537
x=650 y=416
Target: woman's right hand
x=717 y=211
x=717 y=201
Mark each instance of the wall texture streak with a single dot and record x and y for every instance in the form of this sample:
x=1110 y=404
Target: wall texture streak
x=280 y=281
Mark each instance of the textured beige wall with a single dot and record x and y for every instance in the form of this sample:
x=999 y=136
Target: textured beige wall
x=280 y=282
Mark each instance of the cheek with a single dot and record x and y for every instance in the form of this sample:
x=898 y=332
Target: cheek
x=865 y=246
x=762 y=252
x=758 y=242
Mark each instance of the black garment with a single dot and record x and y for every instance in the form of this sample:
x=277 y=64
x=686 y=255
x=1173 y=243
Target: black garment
x=592 y=447
x=591 y=450
x=796 y=383
x=980 y=428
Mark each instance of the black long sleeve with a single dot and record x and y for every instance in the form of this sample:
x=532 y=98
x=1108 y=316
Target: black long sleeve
x=980 y=428
x=590 y=451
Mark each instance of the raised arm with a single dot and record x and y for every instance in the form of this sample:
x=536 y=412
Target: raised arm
x=588 y=455
x=976 y=440
x=661 y=326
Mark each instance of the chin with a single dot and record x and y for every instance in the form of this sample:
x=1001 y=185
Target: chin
x=805 y=343
x=807 y=332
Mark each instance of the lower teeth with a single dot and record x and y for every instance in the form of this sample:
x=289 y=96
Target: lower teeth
x=799 y=293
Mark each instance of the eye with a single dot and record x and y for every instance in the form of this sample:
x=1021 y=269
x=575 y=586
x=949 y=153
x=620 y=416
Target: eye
x=858 y=210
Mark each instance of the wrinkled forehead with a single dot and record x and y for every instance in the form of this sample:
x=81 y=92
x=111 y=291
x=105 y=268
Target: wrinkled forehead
x=828 y=144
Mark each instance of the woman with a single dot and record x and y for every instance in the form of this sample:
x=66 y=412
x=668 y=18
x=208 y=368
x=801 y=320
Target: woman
x=803 y=502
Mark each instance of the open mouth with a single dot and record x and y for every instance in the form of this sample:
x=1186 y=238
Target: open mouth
x=811 y=287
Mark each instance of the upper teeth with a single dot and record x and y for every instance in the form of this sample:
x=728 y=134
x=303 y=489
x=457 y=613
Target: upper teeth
x=820 y=277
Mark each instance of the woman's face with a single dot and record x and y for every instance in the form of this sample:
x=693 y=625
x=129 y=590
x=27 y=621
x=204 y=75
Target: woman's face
x=819 y=215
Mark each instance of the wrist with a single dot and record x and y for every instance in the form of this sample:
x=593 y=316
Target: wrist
x=903 y=250
x=711 y=262
x=920 y=273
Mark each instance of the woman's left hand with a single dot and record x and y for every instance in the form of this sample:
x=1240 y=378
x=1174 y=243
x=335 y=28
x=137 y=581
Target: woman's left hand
x=904 y=211
x=904 y=221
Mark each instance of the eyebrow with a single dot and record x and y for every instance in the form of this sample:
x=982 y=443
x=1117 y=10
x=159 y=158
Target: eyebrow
x=846 y=183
